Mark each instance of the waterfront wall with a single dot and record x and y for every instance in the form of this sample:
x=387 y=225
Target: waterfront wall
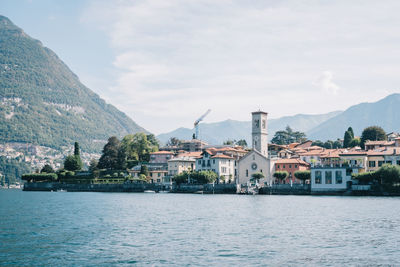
x=132 y=187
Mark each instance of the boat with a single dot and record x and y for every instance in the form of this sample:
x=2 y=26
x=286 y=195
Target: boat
x=149 y=191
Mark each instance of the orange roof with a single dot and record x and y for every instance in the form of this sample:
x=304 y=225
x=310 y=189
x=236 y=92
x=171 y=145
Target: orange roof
x=196 y=154
x=383 y=143
x=161 y=153
x=221 y=156
x=305 y=144
x=291 y=161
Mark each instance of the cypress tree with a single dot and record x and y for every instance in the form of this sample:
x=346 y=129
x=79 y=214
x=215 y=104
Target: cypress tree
x=351 y=132
x=347 y=139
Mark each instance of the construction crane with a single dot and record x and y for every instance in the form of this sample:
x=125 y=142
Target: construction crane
x=196 y=123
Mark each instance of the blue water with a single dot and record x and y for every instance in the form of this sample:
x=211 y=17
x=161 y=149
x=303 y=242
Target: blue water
x=117 y=229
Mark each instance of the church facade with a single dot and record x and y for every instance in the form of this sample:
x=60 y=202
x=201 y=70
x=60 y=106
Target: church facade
x=257 y=160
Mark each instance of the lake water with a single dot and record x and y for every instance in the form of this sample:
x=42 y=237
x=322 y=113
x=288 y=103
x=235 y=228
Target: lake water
x=117 y=229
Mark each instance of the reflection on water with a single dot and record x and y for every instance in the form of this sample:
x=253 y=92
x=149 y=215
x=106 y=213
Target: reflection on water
x=44 y=228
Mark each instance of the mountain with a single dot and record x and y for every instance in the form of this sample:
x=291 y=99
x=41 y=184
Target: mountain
x=218 y=132
x=43 y=102
x=384 y=113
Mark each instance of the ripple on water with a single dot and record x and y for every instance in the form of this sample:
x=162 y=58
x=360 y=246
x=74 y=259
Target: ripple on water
x=41 y=228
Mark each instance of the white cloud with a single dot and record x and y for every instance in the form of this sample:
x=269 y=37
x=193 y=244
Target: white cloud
x=175 y=59
x=325 y=82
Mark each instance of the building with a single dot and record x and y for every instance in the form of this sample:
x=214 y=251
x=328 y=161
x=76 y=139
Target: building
x=158 y=173
x=291 y=165
x=371 y=145
x=257 y=160
x=325 y=179
x=161 y=157
x=181 y=164
x=221 y=164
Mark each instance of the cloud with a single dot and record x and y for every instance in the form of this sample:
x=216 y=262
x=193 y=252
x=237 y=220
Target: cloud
x=175 y=59
x=325 y=82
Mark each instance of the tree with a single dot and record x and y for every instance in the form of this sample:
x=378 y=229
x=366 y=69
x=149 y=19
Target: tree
x=347 y=139
x=72 y=163
x=328 y=144
x=388 y=174
x=47 y=169
x=337 y=144
x=173 y=141
x=229 y=142
x=257 y=176
x=196 y=177
x=139 y=146
x=318 y=143
x=93 y=165
x=241 y=143
x=288 y=136
x=355 y=142
x=372 y=133
x=350 y=130
x=281 y=175
x=303 y=175
x=77 y=155
x=109 y=159
x=144 y=170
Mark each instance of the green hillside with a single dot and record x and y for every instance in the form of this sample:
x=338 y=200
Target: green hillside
x=43 y=102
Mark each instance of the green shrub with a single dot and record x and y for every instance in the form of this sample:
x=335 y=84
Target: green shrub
x=40 y=177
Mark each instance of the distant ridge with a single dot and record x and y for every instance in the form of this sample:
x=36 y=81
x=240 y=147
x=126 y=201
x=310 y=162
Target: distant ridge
x=218 y=132
x=43 y=102
x=384 y=113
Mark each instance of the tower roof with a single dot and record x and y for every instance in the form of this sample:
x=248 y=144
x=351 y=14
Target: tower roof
x=259 y=112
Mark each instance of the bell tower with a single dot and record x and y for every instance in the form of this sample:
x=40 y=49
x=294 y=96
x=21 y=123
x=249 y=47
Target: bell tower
x=259 y=132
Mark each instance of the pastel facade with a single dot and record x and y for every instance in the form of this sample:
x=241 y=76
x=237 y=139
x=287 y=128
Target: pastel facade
x=221 y=164
x=181 y=164
x=291 y=166
x=161 y=157
x=331 y=179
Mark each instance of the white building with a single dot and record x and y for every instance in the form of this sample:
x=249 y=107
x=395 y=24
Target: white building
x=257 y=160
x=331 y=179
x=221 y=164
x=181 y=164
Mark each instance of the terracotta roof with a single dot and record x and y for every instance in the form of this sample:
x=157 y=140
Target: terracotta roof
x=186 y=159
x=305 y=144
x=383 y=143
x=291 y=161
x=221 y=156
x=162 y=153
x=196 y=154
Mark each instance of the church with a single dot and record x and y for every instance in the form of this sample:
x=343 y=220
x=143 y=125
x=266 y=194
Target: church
x=257 y=160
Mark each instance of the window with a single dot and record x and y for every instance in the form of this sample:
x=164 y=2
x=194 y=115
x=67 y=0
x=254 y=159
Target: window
x=349 y=171
x=295 y=165
x=254 y=157
x=371 y=164
x=318 y=176
x=290 y=166
x=338 y=177
x=380 y=163
x=247 y=173
x=284 y=166
x=159 y=174
x=158 y=180
x=328 y=177
x=213 y=161
x=398 y=162
x=263 y=124
x=223 y=169
x=388 y=162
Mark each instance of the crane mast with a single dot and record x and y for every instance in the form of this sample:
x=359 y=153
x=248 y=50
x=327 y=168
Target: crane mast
x=196 y=123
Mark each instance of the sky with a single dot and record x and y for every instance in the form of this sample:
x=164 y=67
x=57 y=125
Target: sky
x=166 y=62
